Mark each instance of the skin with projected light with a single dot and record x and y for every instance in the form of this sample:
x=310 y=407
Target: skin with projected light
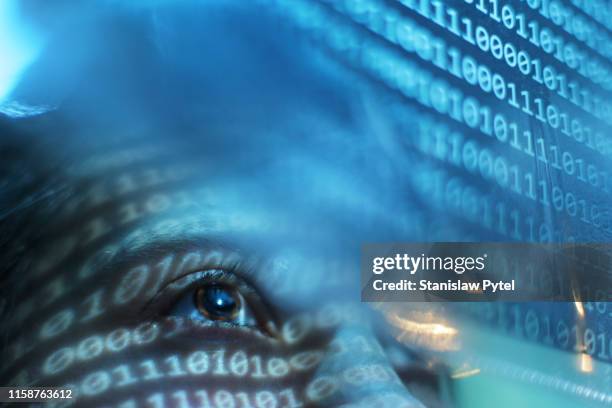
x=162 y=255
x=184 y=192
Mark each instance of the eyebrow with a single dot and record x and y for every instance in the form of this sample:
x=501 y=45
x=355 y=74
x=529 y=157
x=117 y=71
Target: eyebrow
x=248 y=262
x=186 y=254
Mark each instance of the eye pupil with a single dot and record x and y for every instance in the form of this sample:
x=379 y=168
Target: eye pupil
x=217 y=302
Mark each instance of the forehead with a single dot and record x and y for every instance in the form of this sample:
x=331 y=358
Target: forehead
x=296 y=211
x=323 y=161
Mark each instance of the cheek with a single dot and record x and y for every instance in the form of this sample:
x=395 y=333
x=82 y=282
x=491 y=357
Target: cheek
x=173 y=363
x=319 y=359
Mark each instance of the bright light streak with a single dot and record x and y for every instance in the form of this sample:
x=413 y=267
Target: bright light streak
x=465 y=374
x=579 y=309
x=428 y=328
x=429 y=334
x=586 y=363
x=19 y=46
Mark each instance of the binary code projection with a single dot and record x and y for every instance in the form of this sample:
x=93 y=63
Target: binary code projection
x=116 y=320
x=183 y=229
x=503 y=109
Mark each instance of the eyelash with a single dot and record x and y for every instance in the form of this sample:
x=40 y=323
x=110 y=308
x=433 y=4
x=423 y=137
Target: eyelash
x=174 y=291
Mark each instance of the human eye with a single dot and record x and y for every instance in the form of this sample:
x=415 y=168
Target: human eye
x=215 y=297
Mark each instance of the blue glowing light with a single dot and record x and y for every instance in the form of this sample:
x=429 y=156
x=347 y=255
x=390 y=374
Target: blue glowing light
x=19 y=47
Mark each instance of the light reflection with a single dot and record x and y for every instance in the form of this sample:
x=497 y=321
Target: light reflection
x=428 y=331
x=585 y=363
x=465 y=373
x=579 y=309
x=18 y=47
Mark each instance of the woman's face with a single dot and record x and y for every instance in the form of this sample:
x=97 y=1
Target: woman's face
x=185 y=187
x=188 y=234
x=165 y=270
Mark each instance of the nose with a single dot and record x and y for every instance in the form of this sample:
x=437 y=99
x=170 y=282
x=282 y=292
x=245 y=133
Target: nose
x=356 y=372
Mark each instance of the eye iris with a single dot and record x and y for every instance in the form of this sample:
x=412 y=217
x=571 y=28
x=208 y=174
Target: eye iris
x=217 y=302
